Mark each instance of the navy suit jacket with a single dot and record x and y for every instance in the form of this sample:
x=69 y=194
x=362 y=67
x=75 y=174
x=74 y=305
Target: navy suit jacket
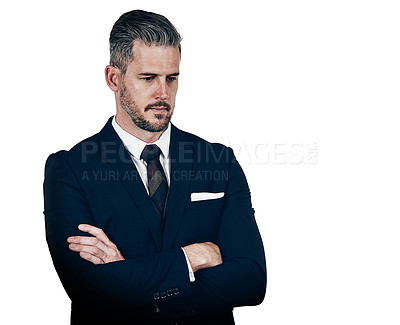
x=97 y=183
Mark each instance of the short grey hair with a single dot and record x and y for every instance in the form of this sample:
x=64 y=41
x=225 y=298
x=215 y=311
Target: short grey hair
x=148 y=27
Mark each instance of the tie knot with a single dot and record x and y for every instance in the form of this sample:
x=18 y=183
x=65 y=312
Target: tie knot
x=150 y=152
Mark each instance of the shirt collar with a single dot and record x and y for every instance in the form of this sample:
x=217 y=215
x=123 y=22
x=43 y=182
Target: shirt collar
x=135 y=146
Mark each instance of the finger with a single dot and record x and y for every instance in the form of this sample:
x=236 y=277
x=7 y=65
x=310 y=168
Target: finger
x=97 y=232
x=93 y=250
x=90 y=241
x=91 y=258
x=84 y=240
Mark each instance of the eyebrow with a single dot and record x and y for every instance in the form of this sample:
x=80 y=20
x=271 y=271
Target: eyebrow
x=155 y=74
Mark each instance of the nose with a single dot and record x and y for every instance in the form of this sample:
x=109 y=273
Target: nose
x=162 y=90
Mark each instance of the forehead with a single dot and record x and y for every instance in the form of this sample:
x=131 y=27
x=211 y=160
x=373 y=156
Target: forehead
x=154 y=59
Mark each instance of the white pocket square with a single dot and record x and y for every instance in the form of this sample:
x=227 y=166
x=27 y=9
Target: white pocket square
x=201 y=196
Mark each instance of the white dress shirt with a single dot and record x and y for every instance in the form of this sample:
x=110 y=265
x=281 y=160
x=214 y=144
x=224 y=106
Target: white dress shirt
x=135 y=147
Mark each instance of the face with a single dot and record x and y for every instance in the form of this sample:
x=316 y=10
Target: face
x=149 y=86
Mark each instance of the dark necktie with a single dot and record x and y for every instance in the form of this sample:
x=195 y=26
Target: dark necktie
x=156 y=180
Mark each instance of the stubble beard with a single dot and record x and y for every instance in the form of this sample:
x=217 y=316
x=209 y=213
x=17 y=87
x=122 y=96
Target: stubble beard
x=130 y=107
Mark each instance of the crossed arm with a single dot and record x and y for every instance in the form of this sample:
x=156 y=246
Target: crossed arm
x=240 y=280
x=99 y=249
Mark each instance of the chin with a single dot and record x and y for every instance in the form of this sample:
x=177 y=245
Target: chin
x=159 y=124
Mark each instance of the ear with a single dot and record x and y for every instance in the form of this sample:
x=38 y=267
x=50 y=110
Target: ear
x=113 y=78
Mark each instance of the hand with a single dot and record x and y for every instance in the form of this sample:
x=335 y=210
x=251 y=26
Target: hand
x=98 y=249
x=203 y=255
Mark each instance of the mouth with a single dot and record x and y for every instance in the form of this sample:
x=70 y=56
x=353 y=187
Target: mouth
x=159 y=107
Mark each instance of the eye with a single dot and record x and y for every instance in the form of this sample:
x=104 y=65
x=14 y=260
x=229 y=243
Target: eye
x=171 y=78
x=148 y=78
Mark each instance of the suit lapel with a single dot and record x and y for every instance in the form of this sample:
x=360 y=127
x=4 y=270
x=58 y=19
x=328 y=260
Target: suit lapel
x=181 y=160
x=115 y=155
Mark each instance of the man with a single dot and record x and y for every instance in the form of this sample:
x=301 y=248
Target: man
x=147 y=224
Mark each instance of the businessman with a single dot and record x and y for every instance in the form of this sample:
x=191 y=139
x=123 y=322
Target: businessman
x=145 y=223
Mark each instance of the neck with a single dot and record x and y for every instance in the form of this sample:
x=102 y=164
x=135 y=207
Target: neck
x=126 y=123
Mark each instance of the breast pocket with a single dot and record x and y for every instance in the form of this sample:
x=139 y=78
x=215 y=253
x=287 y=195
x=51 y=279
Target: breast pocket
x=203 y=220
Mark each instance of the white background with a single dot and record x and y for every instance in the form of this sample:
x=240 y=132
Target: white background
x=265 y=77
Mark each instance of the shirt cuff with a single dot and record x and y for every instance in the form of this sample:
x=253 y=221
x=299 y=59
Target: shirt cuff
x=191 y=273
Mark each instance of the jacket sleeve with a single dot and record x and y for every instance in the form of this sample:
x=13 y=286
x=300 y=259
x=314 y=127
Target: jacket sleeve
x=134 y=282
x=241 y=279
